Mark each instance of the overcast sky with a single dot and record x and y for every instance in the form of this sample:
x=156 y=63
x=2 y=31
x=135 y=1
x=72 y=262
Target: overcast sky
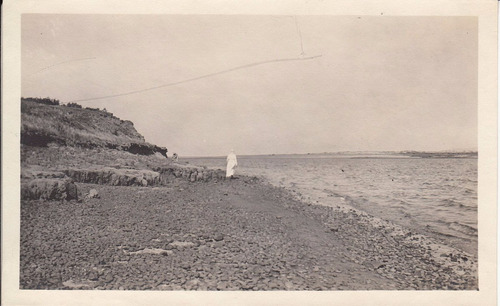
x=380 y=83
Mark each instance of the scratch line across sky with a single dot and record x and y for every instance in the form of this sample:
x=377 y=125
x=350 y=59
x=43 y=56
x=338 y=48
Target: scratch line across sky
x=199 y=77
x=300 y=34
x=65 y=62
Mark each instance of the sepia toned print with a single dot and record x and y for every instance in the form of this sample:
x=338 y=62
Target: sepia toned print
x=356 y=141
x=401 y=216
x=292 y=153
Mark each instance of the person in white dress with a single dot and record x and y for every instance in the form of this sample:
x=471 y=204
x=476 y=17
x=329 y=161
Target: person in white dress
x=232 y=163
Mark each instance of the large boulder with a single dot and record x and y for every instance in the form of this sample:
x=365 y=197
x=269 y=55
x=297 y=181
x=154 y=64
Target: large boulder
x=49 y=189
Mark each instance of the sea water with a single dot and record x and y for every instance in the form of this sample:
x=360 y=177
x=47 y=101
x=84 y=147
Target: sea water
x=433 y=196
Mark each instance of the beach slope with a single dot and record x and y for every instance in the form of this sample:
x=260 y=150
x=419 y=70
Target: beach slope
x=239 y=234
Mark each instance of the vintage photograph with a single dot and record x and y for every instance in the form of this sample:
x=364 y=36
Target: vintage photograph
x=248 y=152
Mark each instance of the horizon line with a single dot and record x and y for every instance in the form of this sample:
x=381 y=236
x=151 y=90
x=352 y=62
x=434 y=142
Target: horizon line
x=342 y=152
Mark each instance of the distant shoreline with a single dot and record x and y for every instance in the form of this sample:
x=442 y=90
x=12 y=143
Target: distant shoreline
x=357 y=155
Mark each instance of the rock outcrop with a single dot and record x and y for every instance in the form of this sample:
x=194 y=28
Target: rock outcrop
x=133 y=177
x=47 y=185
x=192 y=174
x=59 y=185
x=115 y=177
x=49 y=189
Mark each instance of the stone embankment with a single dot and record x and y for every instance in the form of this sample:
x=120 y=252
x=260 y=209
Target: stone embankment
x=58 y=185
x=192 y=174
x=160 y=176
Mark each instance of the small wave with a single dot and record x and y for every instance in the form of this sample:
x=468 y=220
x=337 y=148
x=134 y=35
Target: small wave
x=349 y=200
x=403 y=203
x=455 y=203
x=469 y=180
x=469 y=191
x=459 y=227
x=463 y=228
x=468 y=208
x=450 y=203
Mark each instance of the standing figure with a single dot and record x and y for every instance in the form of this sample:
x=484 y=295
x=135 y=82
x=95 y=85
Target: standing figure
x=231 y=164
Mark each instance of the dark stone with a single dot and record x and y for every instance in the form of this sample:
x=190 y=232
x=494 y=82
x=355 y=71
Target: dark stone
x=108 y=278
x=71 y=191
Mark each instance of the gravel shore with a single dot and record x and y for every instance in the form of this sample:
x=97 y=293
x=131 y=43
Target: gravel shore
x=239 y=234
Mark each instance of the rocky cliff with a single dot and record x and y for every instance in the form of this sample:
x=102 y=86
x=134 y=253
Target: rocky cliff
x=65 y=146
x=73 y=126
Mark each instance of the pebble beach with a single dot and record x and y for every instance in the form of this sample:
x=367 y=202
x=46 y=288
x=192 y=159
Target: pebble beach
x=239 y=234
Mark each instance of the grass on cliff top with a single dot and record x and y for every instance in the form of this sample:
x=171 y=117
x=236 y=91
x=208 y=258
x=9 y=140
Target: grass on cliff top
x=76 y=126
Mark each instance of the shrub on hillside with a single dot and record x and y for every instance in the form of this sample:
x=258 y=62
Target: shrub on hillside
x=75 y=105
x=47 y=101
x=93 y=109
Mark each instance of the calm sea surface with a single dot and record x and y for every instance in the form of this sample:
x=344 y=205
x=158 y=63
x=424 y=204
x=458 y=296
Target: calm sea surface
x=434 y=196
